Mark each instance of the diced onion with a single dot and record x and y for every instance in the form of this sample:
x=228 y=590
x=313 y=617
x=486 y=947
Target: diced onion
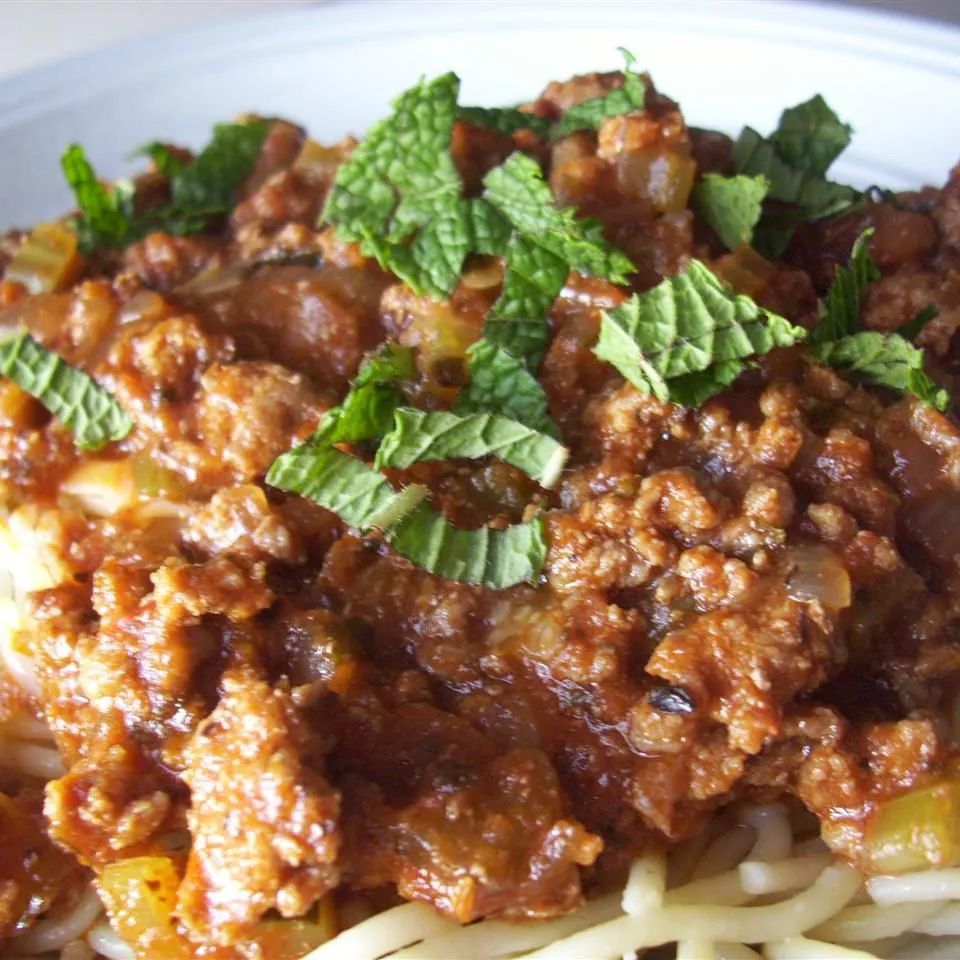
x=818 y=574
x=47 y=261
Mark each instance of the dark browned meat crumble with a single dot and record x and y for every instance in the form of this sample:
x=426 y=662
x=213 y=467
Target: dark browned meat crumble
x=756 y=598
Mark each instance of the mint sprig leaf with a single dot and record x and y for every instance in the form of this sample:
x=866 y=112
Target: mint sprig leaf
x=518 y=190
x=532 y=281
x=501 y=383
x=817 y=198
x=810 y=136
x=364 y=499
x=104 y=215
x=686 y=325
x=591 y=113
x=912 y=330
x=399 y=195
x=367 y=410
x=496 y=559
x=882 y=360
x=841 y=309
x=507 y=120
x=419 y=436
x=731 y=205
x=91 y=413
x=201 y=189
x=164 y=159
x=694 y=389
x=207 y=185
x=360 y=496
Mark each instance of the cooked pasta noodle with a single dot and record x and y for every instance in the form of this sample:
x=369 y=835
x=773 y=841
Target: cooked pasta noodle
x=55 y=932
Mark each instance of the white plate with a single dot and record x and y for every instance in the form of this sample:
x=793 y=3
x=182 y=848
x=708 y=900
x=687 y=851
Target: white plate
x=335 y=67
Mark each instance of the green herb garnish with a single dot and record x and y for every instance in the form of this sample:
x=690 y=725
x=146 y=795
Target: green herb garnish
x=399 y=196
x=686 y=326
x=502 y=383
x=92 y=415
x=106 y=215
x=882 y=360
x=794 y=160
x=518 y=190
x=591 y=113
x=201 y=189
x=731 y=205
x=496 y=559
x=364 y=499
x=911 y=330
x=419 y=436
x=504 y=119
x=841 y=308
x=866 y=356
x=810 y=136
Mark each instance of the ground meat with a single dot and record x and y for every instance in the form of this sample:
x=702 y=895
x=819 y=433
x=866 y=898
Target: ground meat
x=250 y=412
x=281 y=852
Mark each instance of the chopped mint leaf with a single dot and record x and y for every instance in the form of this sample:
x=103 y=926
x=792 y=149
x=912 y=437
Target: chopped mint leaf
x=731 y=205
x=694 y=389
x=841 y=309
x=92 y=414
x=504 y=119
x=496 y=559
x=500 y=383
x=591 y=113
x=911 y=330
x=104 y=219
x=206 y=186
x=360 y=496
x=882 y=360
x=810 y=136
x=816 y=197
x=440 y=435
x=517 y=189
x=400 y=197
x=200 y=189
x=366 y=412
x=164 y=159
x=364 y=499
x=533 y=279
x=686 y=325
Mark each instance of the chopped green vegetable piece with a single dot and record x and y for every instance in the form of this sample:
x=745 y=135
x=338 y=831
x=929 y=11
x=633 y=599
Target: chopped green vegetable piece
x=517 y=189
x=104 y=214
x=92 y=414
x=694 y=389
x=504 y=119
x=533 y=279
x=440 y=435
x=810 y=136
x=882 y=360
x=496 y=559
x=400 y=197
x=366 y=412
x=591 y=113
x=687 y=324
x=206 y=186
x=164 y=159
x=911 y=330
x=200 y=189
x=500 y=383
x=364 y=499
x=731 y=205
x=816 y=197
x=359 y=495
x=841 y=309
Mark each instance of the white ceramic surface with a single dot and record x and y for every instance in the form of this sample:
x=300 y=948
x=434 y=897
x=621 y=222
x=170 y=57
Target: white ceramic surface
x=335 y=67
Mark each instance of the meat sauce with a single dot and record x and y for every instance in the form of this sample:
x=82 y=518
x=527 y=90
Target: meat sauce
x=757 y=598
